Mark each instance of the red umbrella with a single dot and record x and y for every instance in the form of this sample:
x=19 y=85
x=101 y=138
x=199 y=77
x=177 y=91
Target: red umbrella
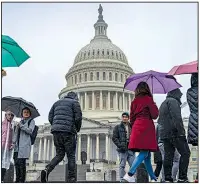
x=187 y=68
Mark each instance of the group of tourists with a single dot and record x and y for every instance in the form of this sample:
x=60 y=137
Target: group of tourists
x=135 y=133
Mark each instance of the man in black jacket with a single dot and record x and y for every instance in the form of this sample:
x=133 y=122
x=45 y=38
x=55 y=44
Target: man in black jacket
x=65 y=118
x=172 y=133
x=121 y=135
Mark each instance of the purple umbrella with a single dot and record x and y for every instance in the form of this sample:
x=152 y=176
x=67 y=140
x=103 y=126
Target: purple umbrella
x=159 y=83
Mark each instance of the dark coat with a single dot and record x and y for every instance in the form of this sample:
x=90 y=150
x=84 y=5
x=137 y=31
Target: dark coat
x=157 y=155
x=65 y=115
x=120 y=137
x=143 y=135
x=170 y=119
x=192 y=99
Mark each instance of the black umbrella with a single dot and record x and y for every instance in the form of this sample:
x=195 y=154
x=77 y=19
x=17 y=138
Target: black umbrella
x=15 y=105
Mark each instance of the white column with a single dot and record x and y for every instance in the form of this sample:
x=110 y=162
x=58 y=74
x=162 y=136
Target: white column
x=79 y=148
x=86 y=108
x=48 y=148
x=116 y=101
x=79 y=97
x=101 y=101
x=108 y=100
x=88 y=149
x=123 y=107
x=45 y=148
x=117 y=159
x=40 y=149
x=31 y=156
x=93 y=104
x=129 y=101
x=52 y=148
x=109 y=152
x=106 y=145
x=97 y=146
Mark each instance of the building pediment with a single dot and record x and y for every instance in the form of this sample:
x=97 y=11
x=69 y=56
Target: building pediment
x=89 y=123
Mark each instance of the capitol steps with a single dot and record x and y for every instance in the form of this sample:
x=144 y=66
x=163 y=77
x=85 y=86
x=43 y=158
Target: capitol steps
x=58 y=174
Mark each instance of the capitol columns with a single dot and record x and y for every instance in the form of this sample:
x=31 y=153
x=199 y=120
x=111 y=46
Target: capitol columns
x=31 y=157
x=129 y=100
x=116 y=101
x=107 y=147
x=101 y=101
x=45 y=148
x=123 y=107
x=88 y=149
x=79 y=149
x=93 y=104
x=48 y=148
x=40 y=149
x=86 y=101
x=97 y=146
x=108 y=100
x=52 y=148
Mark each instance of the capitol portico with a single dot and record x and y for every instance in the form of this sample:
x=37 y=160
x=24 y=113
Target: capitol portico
x=98 y=75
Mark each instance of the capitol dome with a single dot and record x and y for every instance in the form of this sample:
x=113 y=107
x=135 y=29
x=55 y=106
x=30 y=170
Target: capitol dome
x=98 y=75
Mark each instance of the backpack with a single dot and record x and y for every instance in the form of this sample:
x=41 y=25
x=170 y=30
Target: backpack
x=34 y=133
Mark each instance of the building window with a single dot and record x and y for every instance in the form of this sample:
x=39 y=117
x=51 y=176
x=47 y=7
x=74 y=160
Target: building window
x=97 y=75
x=116 y=77
x=110 y=76
x=75 y=79
x=104 y=101
x=121 y=78
x=72 y=80
x=85 y=77
x=97 y=100
x=104 y=75
x=90 y=100
x=126 y=77
x=80 y=78
x=91 y=76
x=111 y=101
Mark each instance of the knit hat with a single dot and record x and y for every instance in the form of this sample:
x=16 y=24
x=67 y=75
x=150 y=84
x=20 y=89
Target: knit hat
x=125 y=114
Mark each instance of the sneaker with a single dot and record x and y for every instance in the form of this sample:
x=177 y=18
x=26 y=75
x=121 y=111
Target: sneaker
x=44 y=176
x=130 y=179
x=183 y=181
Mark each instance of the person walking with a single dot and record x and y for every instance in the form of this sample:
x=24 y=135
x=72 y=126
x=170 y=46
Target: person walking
x=158 y=157
x=65 y=118
x=192 y=99
x=159 y=166
x=121 y=135
x=6 y=143
x=172 y=133
x=22 y=142
x=143 y=135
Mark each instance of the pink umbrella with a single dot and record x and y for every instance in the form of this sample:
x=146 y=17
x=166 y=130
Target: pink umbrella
x=187 y=68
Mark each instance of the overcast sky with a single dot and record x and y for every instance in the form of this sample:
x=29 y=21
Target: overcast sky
x=153 y=36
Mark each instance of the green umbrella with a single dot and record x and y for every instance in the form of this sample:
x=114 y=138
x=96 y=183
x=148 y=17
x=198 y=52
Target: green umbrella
x=12 y=54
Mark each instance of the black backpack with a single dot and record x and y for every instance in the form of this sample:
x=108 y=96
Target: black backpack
x=34 y=133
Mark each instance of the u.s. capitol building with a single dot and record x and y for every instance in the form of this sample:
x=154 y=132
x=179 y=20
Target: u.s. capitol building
x=97 y=75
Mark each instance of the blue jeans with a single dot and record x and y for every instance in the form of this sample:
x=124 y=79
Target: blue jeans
x=128 y=156
x=146 y=157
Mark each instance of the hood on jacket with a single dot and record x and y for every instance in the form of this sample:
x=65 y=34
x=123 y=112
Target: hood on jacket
x=176 y=94
x=194 y=80
x=72 y=95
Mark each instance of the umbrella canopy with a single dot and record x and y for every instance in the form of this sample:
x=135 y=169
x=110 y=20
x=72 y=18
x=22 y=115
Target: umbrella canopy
x=187 y=68
x=16 y=105
x=12 y=54
x=159 y=83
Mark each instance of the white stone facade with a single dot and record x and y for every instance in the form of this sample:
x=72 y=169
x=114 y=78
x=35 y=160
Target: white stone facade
x=98 y=75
